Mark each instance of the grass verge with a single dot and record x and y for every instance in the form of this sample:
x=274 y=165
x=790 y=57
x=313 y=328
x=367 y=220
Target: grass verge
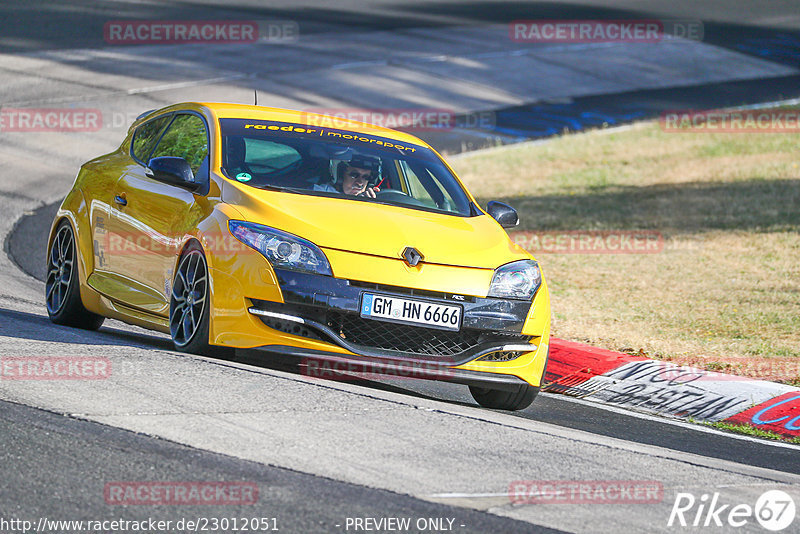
x=748 y=430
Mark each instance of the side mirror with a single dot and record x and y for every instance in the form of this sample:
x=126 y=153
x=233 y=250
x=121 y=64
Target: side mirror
x=172 y=170
x=503 y=213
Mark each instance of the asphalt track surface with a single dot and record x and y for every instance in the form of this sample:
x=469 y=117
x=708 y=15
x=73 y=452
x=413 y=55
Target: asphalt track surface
x=554 y=409
x=744 y=27
x=56 y=458
x=38 y=24
x=88 y=454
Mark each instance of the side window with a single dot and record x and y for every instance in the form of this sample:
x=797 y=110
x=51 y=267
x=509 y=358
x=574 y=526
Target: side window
x=427 y=187
x=187 y=138
x=416 y=189
x=146 y=136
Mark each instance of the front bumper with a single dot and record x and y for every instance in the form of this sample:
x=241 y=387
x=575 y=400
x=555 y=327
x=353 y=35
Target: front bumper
x=500 y=343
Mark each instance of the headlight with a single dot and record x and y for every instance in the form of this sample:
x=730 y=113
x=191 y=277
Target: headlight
x=516 y=280
x=281 y=249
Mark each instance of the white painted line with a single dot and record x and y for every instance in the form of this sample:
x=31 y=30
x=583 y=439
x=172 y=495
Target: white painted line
x=495 y=495
x=466 y=495
x=134 y=91
x=670 y=421
x=182 y=85
x=768 y=105
x=359 y=64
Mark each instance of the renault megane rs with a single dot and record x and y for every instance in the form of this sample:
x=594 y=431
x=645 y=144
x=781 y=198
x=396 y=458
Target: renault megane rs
x=231 y=226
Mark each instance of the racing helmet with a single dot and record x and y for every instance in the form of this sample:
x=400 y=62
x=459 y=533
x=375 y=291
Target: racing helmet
x=361 y=161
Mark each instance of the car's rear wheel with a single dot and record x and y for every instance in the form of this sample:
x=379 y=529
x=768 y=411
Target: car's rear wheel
x=501 y=399
x=62 y=290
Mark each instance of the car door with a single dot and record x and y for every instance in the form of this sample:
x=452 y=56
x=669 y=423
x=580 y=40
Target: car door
x=102 y=200
x=150 y=218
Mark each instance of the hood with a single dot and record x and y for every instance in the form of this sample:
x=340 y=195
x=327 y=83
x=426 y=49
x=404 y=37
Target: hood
x=378 y=229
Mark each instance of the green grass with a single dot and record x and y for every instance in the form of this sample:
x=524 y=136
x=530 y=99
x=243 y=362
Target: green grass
x=752 y=431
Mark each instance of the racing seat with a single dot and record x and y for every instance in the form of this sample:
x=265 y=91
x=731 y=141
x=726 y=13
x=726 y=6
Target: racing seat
x=235 y=153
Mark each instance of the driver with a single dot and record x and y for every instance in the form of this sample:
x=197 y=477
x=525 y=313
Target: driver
x=355 y=176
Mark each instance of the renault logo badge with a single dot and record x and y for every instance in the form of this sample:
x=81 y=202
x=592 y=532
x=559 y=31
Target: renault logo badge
x=412 y=256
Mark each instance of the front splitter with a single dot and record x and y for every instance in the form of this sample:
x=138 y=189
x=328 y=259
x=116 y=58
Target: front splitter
x=326 y=365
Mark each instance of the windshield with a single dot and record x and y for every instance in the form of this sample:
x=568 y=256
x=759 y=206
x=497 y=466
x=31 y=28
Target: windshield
x=324 y=161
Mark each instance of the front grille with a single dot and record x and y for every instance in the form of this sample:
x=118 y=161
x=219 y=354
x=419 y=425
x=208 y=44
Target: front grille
x=410 y=339
x=365 y=334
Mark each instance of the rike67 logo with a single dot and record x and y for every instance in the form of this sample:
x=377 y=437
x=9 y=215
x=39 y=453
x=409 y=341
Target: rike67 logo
x=774 y=510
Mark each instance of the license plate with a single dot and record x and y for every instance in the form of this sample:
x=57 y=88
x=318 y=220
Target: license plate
x=416 y=312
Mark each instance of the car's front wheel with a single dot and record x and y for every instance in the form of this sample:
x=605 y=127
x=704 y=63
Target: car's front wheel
x=188 y=307
x=501 y=399
x=62 y=288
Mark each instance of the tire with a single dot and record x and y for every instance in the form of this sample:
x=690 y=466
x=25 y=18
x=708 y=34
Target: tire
x=190 y=305
x=62 y=288
x=500 y=399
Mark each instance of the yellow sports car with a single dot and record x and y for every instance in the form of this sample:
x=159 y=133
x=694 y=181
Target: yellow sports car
x=232 y=226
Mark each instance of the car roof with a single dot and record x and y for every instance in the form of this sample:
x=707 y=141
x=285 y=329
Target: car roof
x=223 y=110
